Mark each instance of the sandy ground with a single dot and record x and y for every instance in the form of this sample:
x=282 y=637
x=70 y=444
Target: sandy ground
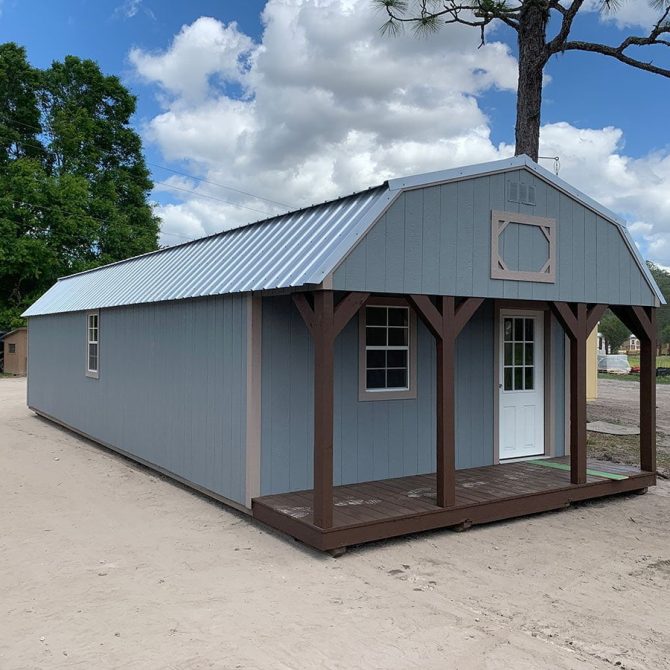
x=619 y=402
x=105 y=565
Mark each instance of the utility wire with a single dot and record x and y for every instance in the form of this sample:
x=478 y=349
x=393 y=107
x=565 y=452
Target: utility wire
x=177 y=188
x=183 y=174
x=230 y=188
x=45 y=208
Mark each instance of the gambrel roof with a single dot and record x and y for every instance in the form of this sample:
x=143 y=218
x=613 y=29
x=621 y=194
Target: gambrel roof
x=299 y=248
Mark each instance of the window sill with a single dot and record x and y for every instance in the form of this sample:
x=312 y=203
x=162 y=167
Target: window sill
x=366 y=396
x=92 y=375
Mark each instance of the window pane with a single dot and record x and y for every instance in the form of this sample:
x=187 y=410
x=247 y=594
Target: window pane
x=518 y=379
x=397 y=316
x=398 y=336
x=508 y=379
x=396 y=358
x=529 y=379
x=529 y=354
x=376 y=358
x=518 y=330
x=518 y=354
x=508 y=354
x=530 y=326
x=508 y=330
x=376 y=379
x=375 y=316
x=397 y=378
x=375 y=337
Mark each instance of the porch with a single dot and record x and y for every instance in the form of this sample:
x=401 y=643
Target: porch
x=383 y=509
x=330 y=517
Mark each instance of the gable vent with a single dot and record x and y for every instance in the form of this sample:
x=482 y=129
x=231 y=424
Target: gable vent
x=520 y=192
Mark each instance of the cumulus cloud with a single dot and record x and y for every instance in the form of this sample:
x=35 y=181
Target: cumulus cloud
x=641 y=14
x=323 y=105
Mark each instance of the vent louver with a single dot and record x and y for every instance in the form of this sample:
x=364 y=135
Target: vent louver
x=520 y=192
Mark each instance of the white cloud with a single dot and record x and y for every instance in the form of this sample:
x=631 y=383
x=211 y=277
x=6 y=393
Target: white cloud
x=637 y=14
x=636 y=188
x=324 y=105
x=131 y=8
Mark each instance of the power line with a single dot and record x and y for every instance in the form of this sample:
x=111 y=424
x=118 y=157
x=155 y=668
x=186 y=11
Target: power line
x=213 y=183
x=212 y=197
x=45 y=208
x=183 y=174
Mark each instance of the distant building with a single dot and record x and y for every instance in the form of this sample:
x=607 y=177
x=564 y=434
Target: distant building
x=15 y=347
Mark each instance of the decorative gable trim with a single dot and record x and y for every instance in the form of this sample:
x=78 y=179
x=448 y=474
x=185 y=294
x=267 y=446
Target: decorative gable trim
x=499 y=270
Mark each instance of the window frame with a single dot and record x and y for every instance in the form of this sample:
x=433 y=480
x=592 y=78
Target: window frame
x=365 y=394
x=93 y=374
x=11 y=347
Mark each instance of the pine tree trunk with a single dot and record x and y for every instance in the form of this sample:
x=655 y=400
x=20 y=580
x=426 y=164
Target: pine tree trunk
x=532 y=59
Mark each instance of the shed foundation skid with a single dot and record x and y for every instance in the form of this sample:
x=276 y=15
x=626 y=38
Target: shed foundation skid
x=390 y=508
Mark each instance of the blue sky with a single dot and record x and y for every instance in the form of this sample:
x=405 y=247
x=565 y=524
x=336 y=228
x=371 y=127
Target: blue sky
x=607 y=121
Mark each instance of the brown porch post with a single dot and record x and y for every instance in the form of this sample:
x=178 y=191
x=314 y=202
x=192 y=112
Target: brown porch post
x=648 y=396
x=445 y=322
x=446 y=410
x=577 y=321
x=641 y=321
x=578 y=398
x=324 y=341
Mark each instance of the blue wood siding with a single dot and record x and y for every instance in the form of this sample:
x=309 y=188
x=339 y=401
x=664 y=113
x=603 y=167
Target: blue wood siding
x=372 y=439
x=437 y=240
x=172 y=386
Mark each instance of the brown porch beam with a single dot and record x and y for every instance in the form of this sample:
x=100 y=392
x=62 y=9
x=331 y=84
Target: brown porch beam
x=465 y=312
x=566 y=317
x=428 y=312
x=594 y=315
x=306 y=312
x=323 y=332
x=347 y=308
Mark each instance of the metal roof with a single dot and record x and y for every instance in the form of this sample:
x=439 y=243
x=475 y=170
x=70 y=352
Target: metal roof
x=293 y=249
x=290 y=250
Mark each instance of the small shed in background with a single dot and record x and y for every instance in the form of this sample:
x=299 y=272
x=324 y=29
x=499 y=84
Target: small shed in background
x=15 y=346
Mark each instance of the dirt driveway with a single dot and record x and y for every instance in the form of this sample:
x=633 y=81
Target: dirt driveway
x=619 y=401
x=105 y=565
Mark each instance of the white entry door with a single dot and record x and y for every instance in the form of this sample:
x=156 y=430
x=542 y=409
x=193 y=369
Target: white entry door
x=521 y=385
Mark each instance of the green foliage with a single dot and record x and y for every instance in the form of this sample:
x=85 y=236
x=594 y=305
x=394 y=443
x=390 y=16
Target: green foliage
x=662 y=278
x=614 y=332
x=73 y=181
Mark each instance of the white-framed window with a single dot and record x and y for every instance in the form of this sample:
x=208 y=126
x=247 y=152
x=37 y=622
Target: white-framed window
x=93 y=344
x=387 y=352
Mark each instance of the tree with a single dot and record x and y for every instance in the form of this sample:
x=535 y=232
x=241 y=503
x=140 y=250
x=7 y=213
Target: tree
x=530 y=19
x=662 y=278
x=614 y=332
x=73 y=181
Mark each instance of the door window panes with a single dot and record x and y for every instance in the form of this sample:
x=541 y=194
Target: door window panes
x=518 y=353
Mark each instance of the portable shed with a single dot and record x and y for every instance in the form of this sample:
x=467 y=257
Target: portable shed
x=15 y=352
x=409 y=357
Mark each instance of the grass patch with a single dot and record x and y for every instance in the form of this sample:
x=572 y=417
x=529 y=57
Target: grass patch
x=661 y=361
x=630 y=378
x=625 y=449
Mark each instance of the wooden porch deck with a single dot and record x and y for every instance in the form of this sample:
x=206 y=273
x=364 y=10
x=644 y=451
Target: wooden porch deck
x=393 y=507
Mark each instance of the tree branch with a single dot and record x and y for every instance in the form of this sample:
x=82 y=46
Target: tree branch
x=569 y=13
